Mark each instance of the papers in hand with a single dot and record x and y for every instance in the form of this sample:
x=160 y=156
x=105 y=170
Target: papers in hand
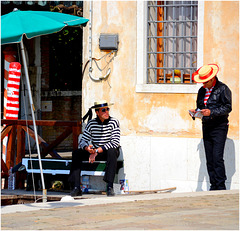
x=197 y=114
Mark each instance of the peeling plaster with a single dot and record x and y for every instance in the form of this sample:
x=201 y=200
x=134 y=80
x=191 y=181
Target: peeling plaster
x=163 y=119
x=158 y=113
x=113 y=13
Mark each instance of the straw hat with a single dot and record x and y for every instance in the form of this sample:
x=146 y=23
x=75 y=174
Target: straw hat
x=100 y=104
x=205 y=73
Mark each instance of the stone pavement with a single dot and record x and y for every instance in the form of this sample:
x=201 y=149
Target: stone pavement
x=211 y=210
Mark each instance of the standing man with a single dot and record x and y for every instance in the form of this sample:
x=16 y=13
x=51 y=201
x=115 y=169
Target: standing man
x=100 y=140
x=215 y=102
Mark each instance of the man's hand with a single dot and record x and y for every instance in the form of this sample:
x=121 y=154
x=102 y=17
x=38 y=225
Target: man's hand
x=90 y=149
x=193 y=111
x=206 y=112
x=100 y=150
x=92 y=157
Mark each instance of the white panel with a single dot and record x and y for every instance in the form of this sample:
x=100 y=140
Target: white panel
x=164 y=162
x=136 y=155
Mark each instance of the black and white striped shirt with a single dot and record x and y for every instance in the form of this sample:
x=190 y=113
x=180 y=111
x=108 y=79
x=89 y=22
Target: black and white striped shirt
x=101 y=134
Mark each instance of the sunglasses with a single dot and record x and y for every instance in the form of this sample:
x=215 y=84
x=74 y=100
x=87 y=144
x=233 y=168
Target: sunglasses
x=206 y=82
x=105 y=109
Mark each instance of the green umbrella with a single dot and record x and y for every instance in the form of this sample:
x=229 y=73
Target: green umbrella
x=34 y=23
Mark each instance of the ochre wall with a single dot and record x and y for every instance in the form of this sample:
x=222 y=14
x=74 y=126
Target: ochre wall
x=157 y=114
x=221 y=45
x=162 y=146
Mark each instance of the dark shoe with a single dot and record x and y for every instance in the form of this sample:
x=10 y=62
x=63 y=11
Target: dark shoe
x=110 y=192
x=213 y=188
x=221 y=187
x=76 y=192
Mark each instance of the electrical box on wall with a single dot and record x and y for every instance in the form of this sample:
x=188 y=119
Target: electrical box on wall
x=108 y=42
x=47 y=106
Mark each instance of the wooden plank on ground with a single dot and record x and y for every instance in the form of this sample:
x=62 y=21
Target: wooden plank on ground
x=151 y=191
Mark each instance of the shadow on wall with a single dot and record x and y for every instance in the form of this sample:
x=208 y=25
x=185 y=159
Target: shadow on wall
x=229 y=160
x=121 y=173
x=202 y=174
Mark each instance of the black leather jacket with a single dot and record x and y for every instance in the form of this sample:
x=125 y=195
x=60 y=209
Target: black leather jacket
x=219 y=103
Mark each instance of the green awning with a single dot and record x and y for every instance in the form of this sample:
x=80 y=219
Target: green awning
x=35 y=23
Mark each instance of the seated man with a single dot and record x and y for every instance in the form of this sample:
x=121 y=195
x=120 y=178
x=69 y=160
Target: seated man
x=100 y=140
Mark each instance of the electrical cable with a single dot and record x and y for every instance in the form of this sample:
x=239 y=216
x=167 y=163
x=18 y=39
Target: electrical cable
x=100 y=69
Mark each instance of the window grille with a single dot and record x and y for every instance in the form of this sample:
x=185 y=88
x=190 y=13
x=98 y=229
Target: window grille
x=171 y=41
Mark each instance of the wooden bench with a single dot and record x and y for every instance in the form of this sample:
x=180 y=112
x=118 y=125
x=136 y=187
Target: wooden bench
x=59 y=169
x=63 y=166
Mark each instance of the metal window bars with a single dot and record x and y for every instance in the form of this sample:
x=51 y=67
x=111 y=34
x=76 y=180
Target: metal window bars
x=171 y=41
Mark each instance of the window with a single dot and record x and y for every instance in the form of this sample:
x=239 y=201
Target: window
x=171 y=41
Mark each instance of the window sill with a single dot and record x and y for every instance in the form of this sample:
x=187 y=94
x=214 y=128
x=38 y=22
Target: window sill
x=168 y=88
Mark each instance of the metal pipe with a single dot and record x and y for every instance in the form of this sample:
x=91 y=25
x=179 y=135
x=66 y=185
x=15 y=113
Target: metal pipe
x=182 y=44
x=148 y=34
x=164 y=41
x=173 y=42
x=191 y=17
x=33 y=118
x=90 y=37
x=156 y=40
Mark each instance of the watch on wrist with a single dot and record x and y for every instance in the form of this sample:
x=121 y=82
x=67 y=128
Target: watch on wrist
x=96 y=151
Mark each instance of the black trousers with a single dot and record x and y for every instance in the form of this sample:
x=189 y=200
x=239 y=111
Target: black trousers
x=214 y=138
x=80 y=155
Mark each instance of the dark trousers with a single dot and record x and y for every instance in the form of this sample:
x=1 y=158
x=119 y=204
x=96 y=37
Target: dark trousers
x=214 y=138
x=80 y=155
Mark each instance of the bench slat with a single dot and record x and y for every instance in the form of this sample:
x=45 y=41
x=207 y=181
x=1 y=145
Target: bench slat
x=61 y=166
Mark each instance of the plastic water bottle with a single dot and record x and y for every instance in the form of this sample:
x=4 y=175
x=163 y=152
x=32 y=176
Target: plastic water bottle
x=11 y=180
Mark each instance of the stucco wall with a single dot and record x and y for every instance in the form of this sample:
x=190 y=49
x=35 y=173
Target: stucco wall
x=221 y=45
x=160 y=141
x=143 y=114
